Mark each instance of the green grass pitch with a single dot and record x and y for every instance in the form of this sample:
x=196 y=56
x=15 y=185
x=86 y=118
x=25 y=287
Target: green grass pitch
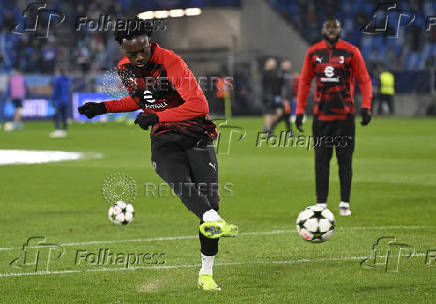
x=394 y=192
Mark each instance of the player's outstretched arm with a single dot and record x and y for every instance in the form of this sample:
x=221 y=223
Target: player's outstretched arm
x=125 y=104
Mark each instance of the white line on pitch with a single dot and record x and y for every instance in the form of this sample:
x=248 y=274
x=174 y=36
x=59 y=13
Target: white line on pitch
x=331 y=259
x=172 y=238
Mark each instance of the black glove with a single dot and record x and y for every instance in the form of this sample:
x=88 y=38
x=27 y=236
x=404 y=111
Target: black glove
x=366 y=116
x=145 y=120
x=91 y=109
x=299 y=122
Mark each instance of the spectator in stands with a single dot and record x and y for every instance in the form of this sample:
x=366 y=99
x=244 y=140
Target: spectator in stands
x=61 y=100
x=8 y=49
x=17 y=94
x=48 y=58
x=387 y=92
x=82 y=56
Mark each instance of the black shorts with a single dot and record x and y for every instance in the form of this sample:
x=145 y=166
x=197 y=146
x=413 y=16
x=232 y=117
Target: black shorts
x=186 y=163
x=270 y=106
x=17 y=102
x=339 y=134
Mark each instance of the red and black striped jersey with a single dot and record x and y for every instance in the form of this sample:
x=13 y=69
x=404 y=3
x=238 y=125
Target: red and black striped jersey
x=335 y=69
x=166 y=87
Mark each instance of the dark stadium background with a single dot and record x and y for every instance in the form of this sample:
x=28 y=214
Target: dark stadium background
x=229 y=38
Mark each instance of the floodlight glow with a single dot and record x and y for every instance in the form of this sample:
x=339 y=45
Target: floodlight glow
x=177 y=13
x=161 y=14
x=146 y=15
x=193 y=11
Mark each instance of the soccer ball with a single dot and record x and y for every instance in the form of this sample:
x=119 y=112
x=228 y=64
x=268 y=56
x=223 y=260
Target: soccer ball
x=121 y=213
x=316 y=224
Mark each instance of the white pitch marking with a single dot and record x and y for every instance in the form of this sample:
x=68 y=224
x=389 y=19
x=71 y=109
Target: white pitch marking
x=331 y=259
x=184 y=237
x=22 y=157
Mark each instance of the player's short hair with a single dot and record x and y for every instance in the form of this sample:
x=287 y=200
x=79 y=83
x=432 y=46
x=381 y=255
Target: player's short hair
x=334 y=19
x=131 y=28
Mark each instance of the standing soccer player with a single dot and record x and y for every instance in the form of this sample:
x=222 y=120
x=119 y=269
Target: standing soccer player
x=335 y=64
x=18 y=93
x=160 y=83
x=61 y=99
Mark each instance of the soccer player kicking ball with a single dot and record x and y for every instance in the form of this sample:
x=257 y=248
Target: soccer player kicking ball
x=335 y=63
x=160 y=83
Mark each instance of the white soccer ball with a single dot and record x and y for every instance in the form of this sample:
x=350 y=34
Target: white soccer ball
x=121 y=213
x=316 y=224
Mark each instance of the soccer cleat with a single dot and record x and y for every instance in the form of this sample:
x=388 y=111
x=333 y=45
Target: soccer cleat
x=206 y=282
x=344 y=209
x=217 y=229
x=58 y=134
